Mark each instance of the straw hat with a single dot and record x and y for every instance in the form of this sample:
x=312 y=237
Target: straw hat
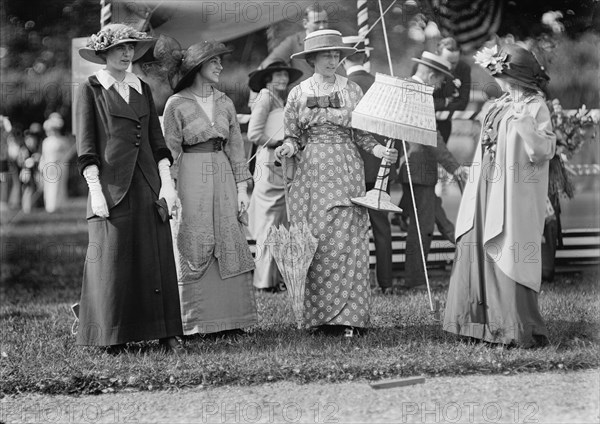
x=435 y=62
x=112 y=35
x=357 y=42
x=324 y=40
x=195 y=56
x=258 y=78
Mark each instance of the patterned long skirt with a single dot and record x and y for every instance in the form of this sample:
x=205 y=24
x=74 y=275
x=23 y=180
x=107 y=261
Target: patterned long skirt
x=330 y=173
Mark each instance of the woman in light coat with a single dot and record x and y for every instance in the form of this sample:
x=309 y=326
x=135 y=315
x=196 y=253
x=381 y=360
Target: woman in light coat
x=493 y=294
x=267 y=205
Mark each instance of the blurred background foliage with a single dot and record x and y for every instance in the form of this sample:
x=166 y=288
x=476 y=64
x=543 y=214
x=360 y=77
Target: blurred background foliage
x=35 y=48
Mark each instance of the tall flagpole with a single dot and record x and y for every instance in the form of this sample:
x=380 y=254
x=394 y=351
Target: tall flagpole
x=362 y=15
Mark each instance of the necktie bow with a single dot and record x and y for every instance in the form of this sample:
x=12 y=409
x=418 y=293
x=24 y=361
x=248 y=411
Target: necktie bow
x=332 y=100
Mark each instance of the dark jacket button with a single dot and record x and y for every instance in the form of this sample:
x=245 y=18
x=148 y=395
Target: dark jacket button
x=157 y=291
x=137 y=144
x=138 y=126
x=138 y=135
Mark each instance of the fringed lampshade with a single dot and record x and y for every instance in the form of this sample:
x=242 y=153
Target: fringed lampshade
x=398 y=109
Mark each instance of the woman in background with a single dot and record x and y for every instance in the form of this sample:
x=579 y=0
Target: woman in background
x=54 y=163
x=267 y=205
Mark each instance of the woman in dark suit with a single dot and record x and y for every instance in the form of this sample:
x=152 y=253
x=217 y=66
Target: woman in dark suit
x=129 y=290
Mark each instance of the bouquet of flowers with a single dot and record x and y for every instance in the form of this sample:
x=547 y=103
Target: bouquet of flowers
x=571 y=130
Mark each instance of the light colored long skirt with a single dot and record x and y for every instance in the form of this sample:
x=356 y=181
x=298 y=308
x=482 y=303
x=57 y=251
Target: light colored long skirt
x=213 y=260
x=267 y=209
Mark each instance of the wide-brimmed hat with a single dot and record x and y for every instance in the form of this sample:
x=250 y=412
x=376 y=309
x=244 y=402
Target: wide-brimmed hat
x=514 y=64
x=195 y=56
x=167 y=54
x=358 y=42
x=324 y=40
x=112 y=35
x=435 y=62
x=258 y=78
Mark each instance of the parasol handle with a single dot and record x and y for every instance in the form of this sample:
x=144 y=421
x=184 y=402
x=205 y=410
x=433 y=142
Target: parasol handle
x=286 y=190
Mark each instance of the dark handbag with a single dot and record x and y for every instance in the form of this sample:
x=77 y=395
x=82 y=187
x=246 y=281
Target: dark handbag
x=163 y=209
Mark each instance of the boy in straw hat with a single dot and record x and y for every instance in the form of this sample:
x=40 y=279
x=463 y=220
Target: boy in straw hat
x=423 y=161
x=129 y=291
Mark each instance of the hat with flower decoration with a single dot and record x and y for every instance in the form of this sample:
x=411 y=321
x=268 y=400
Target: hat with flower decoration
x=112 y=35
x=514 y=64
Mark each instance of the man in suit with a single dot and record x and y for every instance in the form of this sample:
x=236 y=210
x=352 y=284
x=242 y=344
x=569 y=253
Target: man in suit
x=423 y=161
x=452 y=95
x=380 y=225
x=454 y=91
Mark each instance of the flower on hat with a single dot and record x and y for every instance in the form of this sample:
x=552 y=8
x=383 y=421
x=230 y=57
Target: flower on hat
x=492 y=60
x=108 y=36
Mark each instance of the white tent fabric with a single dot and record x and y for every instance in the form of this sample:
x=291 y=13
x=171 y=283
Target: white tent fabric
x=191 y=21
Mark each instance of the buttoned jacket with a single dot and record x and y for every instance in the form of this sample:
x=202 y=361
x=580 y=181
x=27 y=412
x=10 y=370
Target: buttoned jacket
x=115 y=136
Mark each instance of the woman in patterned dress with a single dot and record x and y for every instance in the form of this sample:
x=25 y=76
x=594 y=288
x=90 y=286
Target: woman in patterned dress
x=213 y=260
x=330 y=172
x=496 y=277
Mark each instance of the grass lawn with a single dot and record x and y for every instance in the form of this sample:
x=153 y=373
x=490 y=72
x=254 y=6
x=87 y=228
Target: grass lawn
x=42 y=261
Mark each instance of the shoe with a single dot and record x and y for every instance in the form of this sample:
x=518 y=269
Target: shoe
x=387 y=291
x=171 y=344
x=115 y=349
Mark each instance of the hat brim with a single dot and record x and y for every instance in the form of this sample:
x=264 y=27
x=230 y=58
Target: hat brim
x=433 y=66
x=257 y=78
x=141 y=47
x=185 y=79
x=344 y=51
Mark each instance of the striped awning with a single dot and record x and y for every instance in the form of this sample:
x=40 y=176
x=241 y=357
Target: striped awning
x=470 y=22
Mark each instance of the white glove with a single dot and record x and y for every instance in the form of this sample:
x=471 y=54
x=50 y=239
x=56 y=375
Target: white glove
x=167 y=189
x=98 y=201
x=242 y=196
x=285 y=150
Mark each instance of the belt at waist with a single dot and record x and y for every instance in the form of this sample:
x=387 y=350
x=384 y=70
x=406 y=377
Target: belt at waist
x=208 y=146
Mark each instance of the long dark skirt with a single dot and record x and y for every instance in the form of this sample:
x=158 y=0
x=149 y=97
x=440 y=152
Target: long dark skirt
x=129 y=290
x=483 y=302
